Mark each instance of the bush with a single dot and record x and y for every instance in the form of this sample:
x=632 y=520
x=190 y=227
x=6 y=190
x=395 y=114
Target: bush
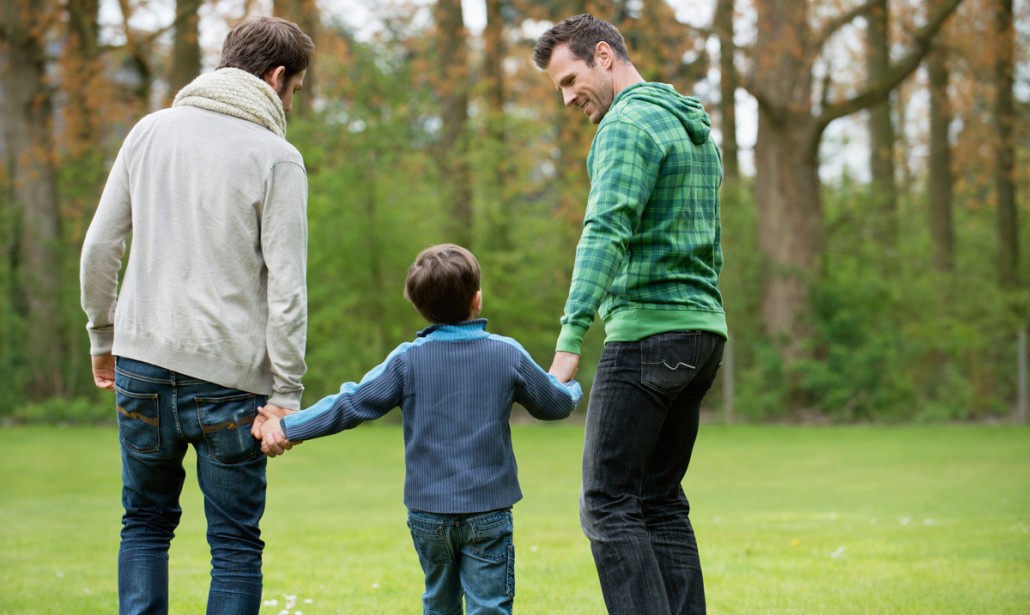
x=80 y=410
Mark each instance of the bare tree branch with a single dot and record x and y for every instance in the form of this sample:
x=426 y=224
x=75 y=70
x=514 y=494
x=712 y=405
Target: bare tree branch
x=879 y=90
x=834 y=25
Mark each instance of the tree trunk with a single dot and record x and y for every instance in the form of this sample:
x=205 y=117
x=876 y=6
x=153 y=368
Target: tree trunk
x=82 y=78
x=305 y=14
x=499 y=201
x=790 y=232
x=452 y=90
x=138 y=60
x=790 y=226
x=79 y=65
x=1004 y=120
x=83 y=24
x=186 y=46
x=727 y=89
x=881 y=131
x=942 y=232
x=30 y=149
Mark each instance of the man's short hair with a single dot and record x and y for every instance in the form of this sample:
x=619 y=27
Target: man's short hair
x=581 y=33
x=260 y=44
x=442 y=282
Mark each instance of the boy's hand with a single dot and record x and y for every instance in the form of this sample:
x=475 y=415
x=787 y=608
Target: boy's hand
x=266 y=412
x=273 y=439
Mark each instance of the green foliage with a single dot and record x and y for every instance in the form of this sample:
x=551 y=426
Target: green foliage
x=79 y=182
x=376 y=199
x=894 y=340
x=96 y=410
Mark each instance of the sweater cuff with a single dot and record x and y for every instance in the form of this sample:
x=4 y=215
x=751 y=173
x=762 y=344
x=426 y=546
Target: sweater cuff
x=290 y=401
x=101 y=342
x=571 y=338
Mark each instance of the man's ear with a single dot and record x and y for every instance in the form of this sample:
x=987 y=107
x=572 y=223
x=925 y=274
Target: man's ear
x=603 y=54
x=275 y=77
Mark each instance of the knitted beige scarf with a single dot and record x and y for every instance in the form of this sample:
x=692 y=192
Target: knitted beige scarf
x=237 y=93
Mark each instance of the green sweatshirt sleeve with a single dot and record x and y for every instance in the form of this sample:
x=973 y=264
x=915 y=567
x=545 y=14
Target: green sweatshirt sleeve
x=623 y=165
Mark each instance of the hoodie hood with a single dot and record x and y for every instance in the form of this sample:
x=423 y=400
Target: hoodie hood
x=688 y=109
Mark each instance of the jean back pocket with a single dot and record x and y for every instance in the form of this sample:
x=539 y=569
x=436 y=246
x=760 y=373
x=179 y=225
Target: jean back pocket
x=225 y=423
x=668 y=361
x=139 y=425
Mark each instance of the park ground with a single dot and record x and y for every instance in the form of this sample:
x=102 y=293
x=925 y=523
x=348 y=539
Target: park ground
x=790 y=519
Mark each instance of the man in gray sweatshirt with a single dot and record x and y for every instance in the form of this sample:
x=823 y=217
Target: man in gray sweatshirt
x=210 y=321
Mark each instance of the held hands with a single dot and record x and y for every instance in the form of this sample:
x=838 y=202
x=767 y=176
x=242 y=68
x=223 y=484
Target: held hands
x=273 y=439
x=564 y=366
x=268 y=428
x=266 y=412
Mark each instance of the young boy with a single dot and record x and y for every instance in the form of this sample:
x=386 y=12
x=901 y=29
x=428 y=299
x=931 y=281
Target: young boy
x=455 y=385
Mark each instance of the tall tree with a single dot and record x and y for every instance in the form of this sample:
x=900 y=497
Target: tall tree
x=81 y=77
x=87 y=97
x=28 y=124
x=499 y=188
x=452 y=90
x=790 y=127
x=881 y=128
x=1004 y=122
x=306 y=15
x=185 y=45
x=658 y=42
x=727 y=89
x=941 y=177
x=138 y=49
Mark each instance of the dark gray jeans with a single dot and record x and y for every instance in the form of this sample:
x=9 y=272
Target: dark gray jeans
x=641 y=425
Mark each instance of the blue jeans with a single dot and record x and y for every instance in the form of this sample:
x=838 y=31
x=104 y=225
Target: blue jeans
x=160 y=413
x=471 y=555
x=641 y=425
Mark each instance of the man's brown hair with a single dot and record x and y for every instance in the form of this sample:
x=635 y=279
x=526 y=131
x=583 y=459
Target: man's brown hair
x=581 y=33
x=442 y=282
x=260 y=44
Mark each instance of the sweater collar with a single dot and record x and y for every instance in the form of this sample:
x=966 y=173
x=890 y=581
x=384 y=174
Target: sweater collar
x=236 y=92
x=466 y=330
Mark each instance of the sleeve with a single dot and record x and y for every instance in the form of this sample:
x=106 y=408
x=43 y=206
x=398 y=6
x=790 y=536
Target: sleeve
x=101 y=259
x=284 y=245
x=543 y=395
x=379 y=391
x=623 y=166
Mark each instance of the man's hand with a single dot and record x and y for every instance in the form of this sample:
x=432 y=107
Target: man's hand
x=268 y=411
x=103 y=371
x=273 y=439
x=564 y=366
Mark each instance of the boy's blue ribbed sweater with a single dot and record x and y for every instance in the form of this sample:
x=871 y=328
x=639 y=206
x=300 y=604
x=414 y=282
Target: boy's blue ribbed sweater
x=455 y=385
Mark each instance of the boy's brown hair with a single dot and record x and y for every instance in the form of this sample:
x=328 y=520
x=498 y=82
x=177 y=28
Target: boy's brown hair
x=442 y=282
x=259 y=44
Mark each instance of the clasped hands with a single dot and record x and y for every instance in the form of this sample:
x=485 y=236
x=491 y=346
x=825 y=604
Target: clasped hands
x=268 y=428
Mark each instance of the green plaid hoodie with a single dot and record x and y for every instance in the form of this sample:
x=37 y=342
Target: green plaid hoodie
x=649 y=258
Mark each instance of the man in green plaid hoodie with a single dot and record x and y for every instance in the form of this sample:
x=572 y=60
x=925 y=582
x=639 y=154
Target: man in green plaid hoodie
x=648 y=262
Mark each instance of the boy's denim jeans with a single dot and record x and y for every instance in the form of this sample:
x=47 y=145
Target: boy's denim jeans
x=471 y=555
x=641 y=425
x=160 y=413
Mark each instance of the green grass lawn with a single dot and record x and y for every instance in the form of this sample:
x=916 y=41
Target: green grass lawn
x=789 y=520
